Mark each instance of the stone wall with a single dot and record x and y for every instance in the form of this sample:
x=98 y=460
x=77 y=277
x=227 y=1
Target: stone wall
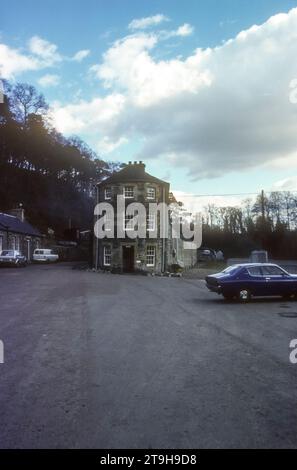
x=169 y=251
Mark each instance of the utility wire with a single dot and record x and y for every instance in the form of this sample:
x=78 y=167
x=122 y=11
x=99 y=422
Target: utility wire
x=236 y=194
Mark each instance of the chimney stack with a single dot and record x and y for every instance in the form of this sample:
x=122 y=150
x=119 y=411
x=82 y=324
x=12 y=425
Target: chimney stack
x=18 y=212
x=137 y=164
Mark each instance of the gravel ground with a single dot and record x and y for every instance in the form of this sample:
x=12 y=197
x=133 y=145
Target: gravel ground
x=109 y=361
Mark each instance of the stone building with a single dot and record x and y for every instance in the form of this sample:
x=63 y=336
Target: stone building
x=17 y=234
x=142 y=254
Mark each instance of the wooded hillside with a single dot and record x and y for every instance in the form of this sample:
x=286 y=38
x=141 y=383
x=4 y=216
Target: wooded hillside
x=52 y=176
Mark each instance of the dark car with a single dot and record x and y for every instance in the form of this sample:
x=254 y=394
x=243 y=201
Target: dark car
x=243 y=281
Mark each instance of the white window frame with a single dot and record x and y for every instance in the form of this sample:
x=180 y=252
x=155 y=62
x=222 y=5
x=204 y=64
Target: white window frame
x=107 y=194
x=151 y=193
x=151 y=255
x=107 y=255
x=129 y=192
x=151 y=222
x=127 y=226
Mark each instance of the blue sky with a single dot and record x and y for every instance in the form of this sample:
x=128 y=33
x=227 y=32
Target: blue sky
x=101 y=77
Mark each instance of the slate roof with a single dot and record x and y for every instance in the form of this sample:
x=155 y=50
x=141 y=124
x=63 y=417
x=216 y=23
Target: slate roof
x=17 y=226
x=133 y=172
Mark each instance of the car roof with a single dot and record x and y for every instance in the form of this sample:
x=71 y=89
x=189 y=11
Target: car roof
x=250 y=265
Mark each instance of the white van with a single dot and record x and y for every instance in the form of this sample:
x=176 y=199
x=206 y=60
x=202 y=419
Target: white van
x=45 y=256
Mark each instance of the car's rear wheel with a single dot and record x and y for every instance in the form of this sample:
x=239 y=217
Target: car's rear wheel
x=244 y=295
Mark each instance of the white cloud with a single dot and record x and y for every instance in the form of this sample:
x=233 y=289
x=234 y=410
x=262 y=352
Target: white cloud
x=287 y=184
x=49 y=80
x=46 y=52
x=13 y=62
x=182 y=31
x=185 y=30
x=149 y=21
x=106 y=145
x=219 y=110
x=129 y=66
x=41 y=54
x=80 y=55
x=86 y=116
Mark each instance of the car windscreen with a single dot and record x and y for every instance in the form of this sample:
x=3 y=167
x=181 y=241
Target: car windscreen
x=6 y=253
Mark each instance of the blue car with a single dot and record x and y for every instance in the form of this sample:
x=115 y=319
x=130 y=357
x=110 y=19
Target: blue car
x=243 y=281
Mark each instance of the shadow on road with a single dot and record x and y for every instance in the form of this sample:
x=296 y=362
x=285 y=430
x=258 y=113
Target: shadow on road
x=258 y=300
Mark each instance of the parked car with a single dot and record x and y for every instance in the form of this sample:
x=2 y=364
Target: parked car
x=43 y=255
x=206 y=254
x=243 y=281
x=12 y=258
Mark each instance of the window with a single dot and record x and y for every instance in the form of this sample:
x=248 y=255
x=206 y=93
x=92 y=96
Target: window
x=151 y=193
x=129 y=222
x=150 y=222
x=255 y=271
x=1 y=243
x=150 y=255
x=107 y=256
x=231 y=269
x=107 y=193
x=12 y=243
x=17 y=243
x=129 y=192
x=272 y=271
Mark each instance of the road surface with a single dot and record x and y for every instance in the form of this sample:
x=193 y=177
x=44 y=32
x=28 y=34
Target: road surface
x=110 y=361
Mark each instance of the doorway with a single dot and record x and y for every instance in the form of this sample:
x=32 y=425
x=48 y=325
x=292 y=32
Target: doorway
x=128 y=259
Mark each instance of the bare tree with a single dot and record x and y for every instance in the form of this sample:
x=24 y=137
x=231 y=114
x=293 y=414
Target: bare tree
x=25 y=100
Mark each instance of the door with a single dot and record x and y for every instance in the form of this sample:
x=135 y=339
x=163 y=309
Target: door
x=278 y=282
x=128 y=259
x=257 y=282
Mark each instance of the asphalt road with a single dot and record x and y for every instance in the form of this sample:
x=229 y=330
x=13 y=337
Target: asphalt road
x=109 y=361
